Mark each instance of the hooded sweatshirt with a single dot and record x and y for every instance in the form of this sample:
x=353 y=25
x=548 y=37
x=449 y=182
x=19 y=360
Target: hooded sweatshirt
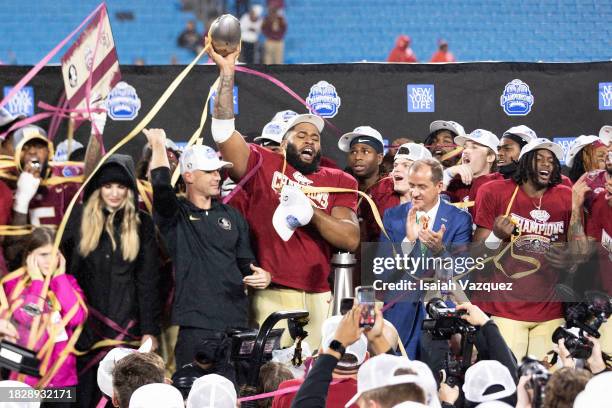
x=124 y=292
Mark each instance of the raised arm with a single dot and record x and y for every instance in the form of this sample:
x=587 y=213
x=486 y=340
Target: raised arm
x=93 y=153
x=231 y=144
x=576 y=236
x=341 y=228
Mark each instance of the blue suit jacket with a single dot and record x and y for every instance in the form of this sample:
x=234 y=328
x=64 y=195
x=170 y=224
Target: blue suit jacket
x=407 y=316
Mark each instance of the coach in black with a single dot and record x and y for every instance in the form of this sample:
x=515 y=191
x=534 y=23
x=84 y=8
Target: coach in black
x=209 y=245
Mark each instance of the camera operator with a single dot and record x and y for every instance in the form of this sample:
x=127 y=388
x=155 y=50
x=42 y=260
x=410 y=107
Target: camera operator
x=595 y=363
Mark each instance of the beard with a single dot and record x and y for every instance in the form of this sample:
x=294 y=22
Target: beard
x=293 y=158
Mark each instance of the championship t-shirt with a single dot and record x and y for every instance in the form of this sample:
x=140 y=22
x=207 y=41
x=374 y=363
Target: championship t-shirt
x=599 y=227
x=303 y=262
x=384 y=196
x=540 y=228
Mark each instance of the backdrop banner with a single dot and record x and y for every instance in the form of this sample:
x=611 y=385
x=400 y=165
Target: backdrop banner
x=557 y=100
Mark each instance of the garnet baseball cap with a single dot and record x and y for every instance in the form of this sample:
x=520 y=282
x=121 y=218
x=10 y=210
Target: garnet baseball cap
x=450 y=125
x=157 y=395
x=212 y=391
x=580 y=143
x=522 y=131
x=485 y=374
x=357 y=349
x=361 y=134
x=201 y=157
x=294 y=211
x=315 y=120
x=273 y=131
x=542 y=143
x=412 y=151
x=379 y=372
x=605 y=134
x=480 y=136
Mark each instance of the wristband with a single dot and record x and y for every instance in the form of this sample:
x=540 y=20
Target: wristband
x=222 y=129
x=27 y=185
x=492 y=241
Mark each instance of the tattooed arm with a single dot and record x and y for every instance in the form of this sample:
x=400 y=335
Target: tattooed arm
x=577 y=238
x=235 y=148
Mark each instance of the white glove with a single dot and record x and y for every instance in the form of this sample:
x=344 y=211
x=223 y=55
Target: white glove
x=27 y=185
x=98 y=118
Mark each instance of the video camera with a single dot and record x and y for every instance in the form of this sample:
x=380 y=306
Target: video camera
x=446 y=321
x=19 y=359
x=538 y=377
x=587 y=317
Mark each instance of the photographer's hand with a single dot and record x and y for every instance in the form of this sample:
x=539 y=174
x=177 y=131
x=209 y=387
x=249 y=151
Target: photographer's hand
x=474 y=315
x=596 y=362
x=523 y=396
x=348 y=331
x=377 y=341
x=448 y=394
x=564 y=355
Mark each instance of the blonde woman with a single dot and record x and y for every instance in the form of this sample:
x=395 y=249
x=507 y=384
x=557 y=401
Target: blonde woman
x=111 y=250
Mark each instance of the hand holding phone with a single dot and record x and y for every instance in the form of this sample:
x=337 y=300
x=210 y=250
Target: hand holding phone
x=366 y=298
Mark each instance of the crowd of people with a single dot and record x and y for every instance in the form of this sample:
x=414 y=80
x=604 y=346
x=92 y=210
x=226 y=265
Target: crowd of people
x=170 y=253
x=402 y=52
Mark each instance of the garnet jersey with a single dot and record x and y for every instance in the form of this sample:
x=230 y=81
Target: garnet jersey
x=599 y=228
x=303 y=262
x=458 y=192
x=51 y=200
x=384 y=197
x=540 y=228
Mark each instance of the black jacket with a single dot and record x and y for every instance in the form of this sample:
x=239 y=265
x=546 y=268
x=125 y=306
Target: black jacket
x=122 y=291
x=211 y=253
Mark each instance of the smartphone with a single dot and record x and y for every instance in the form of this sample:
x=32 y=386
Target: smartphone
x=346 y=304
x=366 y=297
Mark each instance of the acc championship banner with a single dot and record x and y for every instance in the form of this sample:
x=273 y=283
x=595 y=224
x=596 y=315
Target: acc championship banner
x=400 y=100
x=79 y=61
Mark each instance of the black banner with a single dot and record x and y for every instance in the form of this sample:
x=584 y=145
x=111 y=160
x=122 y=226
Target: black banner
x=400 y=100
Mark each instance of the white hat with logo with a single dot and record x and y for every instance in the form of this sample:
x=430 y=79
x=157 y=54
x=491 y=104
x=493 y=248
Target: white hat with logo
x=294 y=211
x=379 y=372
x=315 y=120
x=450 y=125
x=344 y=143
x=201 y=157
x=284 y=116
x=7 y=118
x=522 y=131
x=157 y=395
x=357 y=349
x=579 y=143
x=107 y=365
x=212 y=391
x=542 y=143
x=480 y=136
x=273 y=131
x=605 y=134
x=412 y=151
x=485 y=374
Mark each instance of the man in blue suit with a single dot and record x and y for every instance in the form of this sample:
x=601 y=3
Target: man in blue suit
x=424 y=227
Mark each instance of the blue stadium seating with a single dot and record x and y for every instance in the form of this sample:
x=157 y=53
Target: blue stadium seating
x=326 y=31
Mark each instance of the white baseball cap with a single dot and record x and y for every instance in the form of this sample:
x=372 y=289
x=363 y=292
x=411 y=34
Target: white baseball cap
x=61 y=151
x=522 y=131
x=484 y=374
x=379 y=372
x=480 y=136
x=579 y=143
x=157 y=395
x=107 y=365
x=605 y=134
x=284 y=116
x=212 y=391
x=494 y=404
x=542 y=143
x=410 y=404
x=428 y=382
x=201 y=157
x=596 y=393
x=357 y=349
x=6 y=117
x=273 y=131
x=315 y=120
x=344 y=143
x=454 y=127
x=412 y=151
x=17 y=404
x=294 y=211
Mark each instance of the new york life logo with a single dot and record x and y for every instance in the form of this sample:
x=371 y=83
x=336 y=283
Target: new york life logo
x=421 y=98
x=605 y=96
x=565 y=143
x=235 y=99
x=22 y=103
